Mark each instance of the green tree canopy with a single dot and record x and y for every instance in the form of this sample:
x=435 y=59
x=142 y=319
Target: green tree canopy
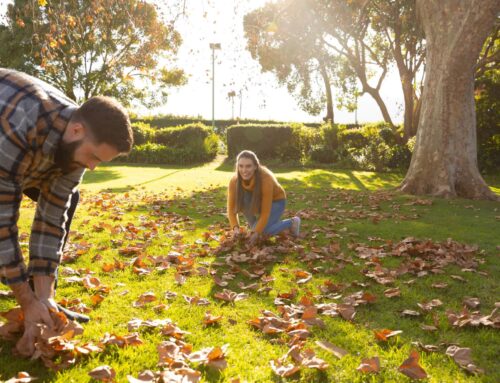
x=119 y=48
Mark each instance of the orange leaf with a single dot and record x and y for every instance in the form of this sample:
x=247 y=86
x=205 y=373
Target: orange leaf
x=411 y=368
x=369 y=365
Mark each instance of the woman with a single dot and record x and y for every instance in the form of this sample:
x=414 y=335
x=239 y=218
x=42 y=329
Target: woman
x=255 y=192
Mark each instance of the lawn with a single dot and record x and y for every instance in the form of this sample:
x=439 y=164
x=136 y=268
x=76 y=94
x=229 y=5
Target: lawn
x=352 y=220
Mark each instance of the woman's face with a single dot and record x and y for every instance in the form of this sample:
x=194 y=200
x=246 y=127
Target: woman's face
x=246 y=168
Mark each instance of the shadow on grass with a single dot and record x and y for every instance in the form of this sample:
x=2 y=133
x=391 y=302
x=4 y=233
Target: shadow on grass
x=437 y=222
x=100 y=175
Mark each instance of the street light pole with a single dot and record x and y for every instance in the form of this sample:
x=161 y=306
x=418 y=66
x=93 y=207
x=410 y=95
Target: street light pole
x=213 y=46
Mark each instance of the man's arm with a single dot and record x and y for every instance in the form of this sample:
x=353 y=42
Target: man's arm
x=48 y=229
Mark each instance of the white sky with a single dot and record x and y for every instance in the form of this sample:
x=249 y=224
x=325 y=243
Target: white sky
x=221 y=21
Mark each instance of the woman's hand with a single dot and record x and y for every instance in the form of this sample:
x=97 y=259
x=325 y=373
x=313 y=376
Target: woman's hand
x=253 y=239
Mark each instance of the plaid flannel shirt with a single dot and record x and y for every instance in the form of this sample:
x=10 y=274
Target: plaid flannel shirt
x=33 y=117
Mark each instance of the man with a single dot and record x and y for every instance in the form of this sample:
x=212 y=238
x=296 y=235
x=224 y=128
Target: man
x=46 y=143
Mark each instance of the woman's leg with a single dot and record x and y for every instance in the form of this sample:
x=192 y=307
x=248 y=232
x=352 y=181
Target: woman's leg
x=275 y=225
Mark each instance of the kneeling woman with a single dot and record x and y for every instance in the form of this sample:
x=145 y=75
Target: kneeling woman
x=255 y=192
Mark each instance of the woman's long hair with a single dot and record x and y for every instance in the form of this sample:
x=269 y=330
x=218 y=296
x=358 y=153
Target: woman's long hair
x=257 y=191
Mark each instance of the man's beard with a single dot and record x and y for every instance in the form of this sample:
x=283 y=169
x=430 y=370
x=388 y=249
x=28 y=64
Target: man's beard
x=64 y=156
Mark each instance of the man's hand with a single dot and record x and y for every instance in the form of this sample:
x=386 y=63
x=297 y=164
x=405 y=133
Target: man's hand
x=253 y=239
x=35 y=312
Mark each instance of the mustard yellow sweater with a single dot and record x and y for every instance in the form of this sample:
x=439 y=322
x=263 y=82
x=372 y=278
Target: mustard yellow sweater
x=271 y=191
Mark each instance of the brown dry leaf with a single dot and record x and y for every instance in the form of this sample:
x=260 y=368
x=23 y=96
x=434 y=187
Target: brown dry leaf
x=410 y=313
x=458 y=278
x=145 y=298
x=96 y=299
x=91 y=282
x=230 y=296
x=283 y=370
x=428 y=306
x=211 y=356
x=391 y=293
x=302 y=276
x=384 y=334
x=369 y=365
x=471 y=302
x=209 y=319
x=219 y=282
x=196 y=301
x=426 y=327
x=463 y=357
x=103 y=373
x=147 y=376
x=346 y=311
x=337 y=351
x=310 y=360
x=21 y=377
x=441 y=285
x=180 y=278
x=411 y=368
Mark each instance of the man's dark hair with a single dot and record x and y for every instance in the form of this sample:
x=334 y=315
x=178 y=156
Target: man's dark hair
x=108 y=122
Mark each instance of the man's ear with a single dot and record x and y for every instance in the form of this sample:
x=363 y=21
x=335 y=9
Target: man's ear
x=75 y=131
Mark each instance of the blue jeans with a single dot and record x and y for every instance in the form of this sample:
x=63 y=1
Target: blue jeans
x=274 y=224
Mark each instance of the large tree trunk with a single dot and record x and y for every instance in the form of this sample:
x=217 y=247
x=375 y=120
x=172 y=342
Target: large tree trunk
x=329 y=97
x=444 y=162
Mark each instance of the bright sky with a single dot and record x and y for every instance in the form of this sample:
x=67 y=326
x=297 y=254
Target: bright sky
x=221 y=21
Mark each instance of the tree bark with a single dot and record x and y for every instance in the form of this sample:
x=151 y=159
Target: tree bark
x=329 y=97
x=444 y=162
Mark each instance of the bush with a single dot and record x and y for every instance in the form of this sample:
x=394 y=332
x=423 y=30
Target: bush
x=488 y=117
x=284 y=142
x=188 y=144
x=182 y=136
x=151 y=153
x=142 y=133
x=352 y=138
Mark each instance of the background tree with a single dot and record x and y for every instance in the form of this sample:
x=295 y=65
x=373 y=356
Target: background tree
x=281 y=38
x=90 y=47
x=404 y=38
x=444 y=162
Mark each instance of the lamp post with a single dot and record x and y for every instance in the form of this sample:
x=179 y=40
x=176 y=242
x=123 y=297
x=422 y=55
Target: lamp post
x=213 y=46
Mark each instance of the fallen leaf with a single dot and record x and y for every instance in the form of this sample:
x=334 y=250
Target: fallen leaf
x=391 y=293
x=369 y=365
x=337 y=351
x=472 y=303
x=21 y=377
x=209 y=319
x=463 y=357
x=384 y=334
x=103 y=373
x=283 y=370
x=411 y=368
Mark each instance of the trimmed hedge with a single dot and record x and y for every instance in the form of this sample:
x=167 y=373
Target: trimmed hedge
x=284 y=142
x=168 y=121
x=193 y=143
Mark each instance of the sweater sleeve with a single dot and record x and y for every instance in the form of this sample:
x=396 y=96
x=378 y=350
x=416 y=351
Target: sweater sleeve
x=231 y=204
x=267 y=202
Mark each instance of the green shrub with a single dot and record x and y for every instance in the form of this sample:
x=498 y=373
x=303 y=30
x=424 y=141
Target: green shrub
x=488 y=117
x=188 y=144
x=182 y=136
x=151 y=153
x=282 y=142
x=323 y=154
x=142 y=133
x=352 y=138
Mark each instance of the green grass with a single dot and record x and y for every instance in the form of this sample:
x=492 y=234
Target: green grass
x=332 y=199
